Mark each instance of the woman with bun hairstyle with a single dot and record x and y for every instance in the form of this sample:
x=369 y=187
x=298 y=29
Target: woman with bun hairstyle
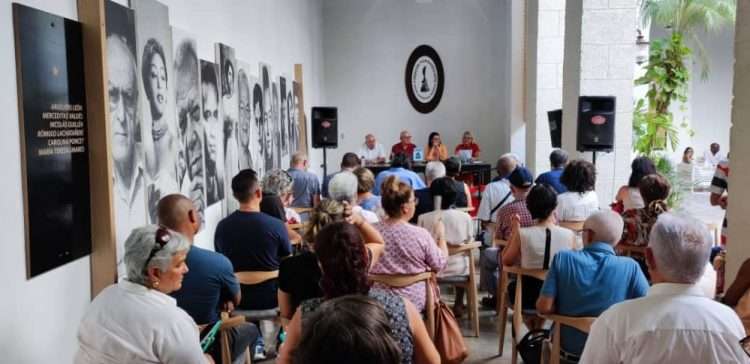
x=409 y=249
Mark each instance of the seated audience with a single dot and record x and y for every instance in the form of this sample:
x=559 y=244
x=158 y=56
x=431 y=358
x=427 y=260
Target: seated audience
x=277 y=197
x=436 y=150
x=343 y=259
x=343 y=188
x=467 y=143
x=587 y=282
x=371 y=151
x=738 y=295
x=122 y=321
x=511 y=157
x=452 y=171
x=432 y=171
x=654 y=189
x=401 y=168
x=349 y=329
x=365 y=184
x=210 y=285
x=579 y=178
x=409 y=249
x=497 y=194
x=253 y=241
x=628 y=197
x=489 y=262
x=349 y=162
x=299 y=275
x=404 y=146
x=675 y=322
x=535 y=246
x=712 y=157
x=306 y=187
x=459 y=229
x=687 y=156
x=558 y=159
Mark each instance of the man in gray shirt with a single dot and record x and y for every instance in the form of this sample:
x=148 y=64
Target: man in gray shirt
x=306 y=187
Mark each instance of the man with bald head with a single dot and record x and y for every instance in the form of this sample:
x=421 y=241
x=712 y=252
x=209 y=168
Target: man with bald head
x=371 y=151
x=587 y=282
x=497 y=194
x=210 y=285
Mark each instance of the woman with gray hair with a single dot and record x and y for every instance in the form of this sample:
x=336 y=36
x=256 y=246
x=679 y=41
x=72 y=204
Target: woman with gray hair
x=343 y=188
x=135 y=320
x=278 y=182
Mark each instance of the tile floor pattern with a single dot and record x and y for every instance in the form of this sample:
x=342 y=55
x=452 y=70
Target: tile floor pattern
x=484 y=348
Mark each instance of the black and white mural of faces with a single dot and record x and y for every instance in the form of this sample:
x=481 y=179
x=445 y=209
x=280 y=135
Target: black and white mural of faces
x=267 y=124
x=276 y=125
x=283 y=117
x=258 y=135
x=245 y=121
x=190 y=131
x=158 y=134
x=230 y=114
x=213 y=132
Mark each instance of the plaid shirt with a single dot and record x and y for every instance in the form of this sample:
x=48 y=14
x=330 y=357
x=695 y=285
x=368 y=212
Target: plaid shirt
x=505 y=214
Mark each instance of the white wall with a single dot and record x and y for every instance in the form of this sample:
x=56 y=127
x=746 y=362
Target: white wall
x=40 y=316
x=366 y=46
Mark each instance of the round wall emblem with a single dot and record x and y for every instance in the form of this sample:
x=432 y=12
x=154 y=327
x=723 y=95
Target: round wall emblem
x=424 y=78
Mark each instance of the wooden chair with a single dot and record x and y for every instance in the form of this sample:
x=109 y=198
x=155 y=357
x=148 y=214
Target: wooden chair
x=405 y=280
x=580 y=323
x=630 y=250
x=250 y=278
x=502 y=290
x=576 y=226
x=227 y=323
x=467 y=282
x=302 y=210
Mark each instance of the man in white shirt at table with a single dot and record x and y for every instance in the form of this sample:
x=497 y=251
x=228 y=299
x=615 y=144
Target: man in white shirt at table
x=371 y=151
x=675 y=322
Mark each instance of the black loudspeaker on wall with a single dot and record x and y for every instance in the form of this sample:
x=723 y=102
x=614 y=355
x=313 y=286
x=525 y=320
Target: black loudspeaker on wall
x=555 y=127
x=596 y=123
x=325 y=127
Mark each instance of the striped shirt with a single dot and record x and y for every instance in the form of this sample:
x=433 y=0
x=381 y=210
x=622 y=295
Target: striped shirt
x=720 y=185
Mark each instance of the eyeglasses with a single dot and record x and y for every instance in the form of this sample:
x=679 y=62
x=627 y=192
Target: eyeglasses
x=161 y=239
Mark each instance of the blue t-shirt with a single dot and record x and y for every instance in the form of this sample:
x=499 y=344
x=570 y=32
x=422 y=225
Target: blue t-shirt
x=588 y=282
x=370 y=204
x=403 y=174
x=209 y=282
x=552 y=178
x=304 y=187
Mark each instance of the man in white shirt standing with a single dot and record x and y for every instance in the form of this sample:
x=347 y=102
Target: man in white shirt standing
x=371 y=151
x=675 y=322
x=713 y=156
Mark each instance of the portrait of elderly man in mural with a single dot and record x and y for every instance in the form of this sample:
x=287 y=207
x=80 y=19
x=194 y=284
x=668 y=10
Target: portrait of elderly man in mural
x=267 y=124
x=213 y=132
x=259 y=127
x=245 y=120
x=189 y=126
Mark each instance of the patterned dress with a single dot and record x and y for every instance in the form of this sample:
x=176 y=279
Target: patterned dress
x=409 y=249
x=395 y=310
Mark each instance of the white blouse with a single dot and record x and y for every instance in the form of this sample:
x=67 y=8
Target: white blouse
x=534 y=241
x=573 y=206
x=459 y=229
x=129 y=323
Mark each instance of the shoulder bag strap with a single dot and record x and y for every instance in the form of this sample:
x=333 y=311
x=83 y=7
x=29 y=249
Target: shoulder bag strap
x=500 y=204
x=547 y=244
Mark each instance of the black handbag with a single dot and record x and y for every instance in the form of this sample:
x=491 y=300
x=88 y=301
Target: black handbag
x=530 y=347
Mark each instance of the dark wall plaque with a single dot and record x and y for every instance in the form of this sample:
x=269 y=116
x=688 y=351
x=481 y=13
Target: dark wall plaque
x=54 y=148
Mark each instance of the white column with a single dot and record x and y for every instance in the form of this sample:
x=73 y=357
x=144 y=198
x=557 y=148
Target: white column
x=599 y=61
x=517 y=124
x=545 y=31
x=738 y=249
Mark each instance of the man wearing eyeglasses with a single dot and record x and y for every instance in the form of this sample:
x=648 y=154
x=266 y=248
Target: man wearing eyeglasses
x=210 y=285
x=405 y=146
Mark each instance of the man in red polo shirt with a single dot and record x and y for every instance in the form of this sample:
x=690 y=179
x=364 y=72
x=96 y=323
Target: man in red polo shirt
x=405 y=146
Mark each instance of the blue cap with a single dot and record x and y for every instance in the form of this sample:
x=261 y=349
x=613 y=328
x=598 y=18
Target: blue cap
x=521 y=178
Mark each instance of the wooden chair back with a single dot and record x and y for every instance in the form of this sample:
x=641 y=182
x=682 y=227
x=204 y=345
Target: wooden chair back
x=630 y=250
x=579 y=323
x=404 y=280
x=302 y=210
x=227 y=323
x=470 y=284
x=255 y=277
x=576 y=226
x=540 y=274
